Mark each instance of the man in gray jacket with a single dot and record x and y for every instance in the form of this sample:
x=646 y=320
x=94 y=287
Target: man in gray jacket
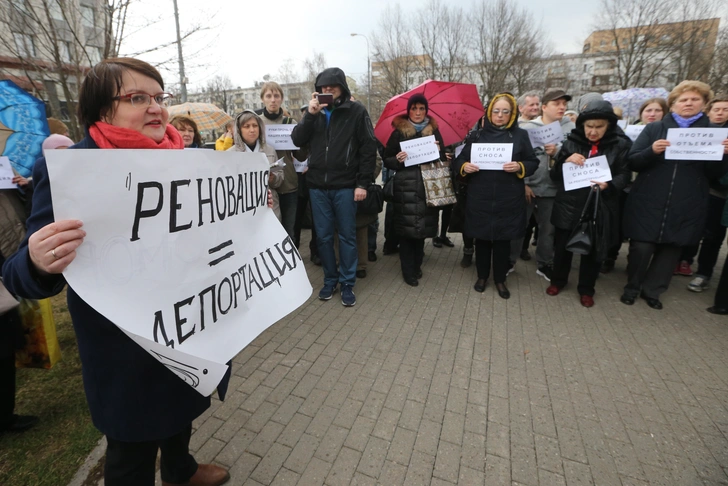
x=540 y=189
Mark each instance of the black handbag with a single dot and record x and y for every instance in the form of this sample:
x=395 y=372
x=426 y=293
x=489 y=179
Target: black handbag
x=374 y=202
x=389 y=189
x=583 y=237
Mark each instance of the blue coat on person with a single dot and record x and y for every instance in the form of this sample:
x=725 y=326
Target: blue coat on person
x=131 y=395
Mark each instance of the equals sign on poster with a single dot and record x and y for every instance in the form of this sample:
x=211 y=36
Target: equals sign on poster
x=218 y=249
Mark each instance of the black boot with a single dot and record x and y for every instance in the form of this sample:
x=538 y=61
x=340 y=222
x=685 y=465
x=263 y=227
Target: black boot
x=467 y=257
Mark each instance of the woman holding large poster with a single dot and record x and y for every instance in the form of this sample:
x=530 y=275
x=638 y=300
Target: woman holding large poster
x=139 y=404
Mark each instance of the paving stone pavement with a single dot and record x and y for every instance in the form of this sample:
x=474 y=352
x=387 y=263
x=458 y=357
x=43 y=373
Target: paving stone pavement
x=439 y=385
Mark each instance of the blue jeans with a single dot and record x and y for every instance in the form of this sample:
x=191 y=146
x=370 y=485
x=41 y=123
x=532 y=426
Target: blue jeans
x=288 y=203
x=335 y=209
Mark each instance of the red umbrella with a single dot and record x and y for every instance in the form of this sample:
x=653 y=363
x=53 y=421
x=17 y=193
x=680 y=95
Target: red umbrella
x=455 y=106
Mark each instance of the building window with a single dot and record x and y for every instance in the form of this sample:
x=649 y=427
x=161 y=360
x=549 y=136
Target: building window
x=55 y=10
x=602 y=43
x=606 y=64
x=65 y=51
x=587 y=47
x=88 y=16
x=614 y=43
x=584 y=84
x=601 y=80
x=94 y=54
x=24 y=45
x=20 y=5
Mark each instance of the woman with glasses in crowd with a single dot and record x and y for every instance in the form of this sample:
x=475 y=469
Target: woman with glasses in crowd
x=134 y=399
x=495 y=208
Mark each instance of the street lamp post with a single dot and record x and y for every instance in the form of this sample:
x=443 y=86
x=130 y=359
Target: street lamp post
x=369 y=74
x=180 y=59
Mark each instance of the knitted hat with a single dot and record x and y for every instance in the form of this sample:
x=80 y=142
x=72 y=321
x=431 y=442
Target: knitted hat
x=417 y=98
x=55 y=141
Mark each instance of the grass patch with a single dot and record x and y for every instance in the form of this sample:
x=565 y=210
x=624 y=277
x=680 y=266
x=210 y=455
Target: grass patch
x=51 y=452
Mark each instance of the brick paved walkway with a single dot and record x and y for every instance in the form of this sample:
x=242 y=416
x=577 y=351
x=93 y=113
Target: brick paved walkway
x=440 y=385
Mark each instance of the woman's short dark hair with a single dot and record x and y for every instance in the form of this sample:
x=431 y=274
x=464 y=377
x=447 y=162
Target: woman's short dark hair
x=103 y=83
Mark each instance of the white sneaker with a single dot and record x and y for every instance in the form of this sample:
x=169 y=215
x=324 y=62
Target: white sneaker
x=698 y=284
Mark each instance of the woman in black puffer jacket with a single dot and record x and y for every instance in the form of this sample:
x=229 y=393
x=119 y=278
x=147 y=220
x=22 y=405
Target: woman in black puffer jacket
x=413 y=219
x=495 y=210
x=595 y=134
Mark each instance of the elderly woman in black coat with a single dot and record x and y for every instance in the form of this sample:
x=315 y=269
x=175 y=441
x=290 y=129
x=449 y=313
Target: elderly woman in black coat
x=495 y=211
x=413 y=220
x=595 y=134
x=668 y=202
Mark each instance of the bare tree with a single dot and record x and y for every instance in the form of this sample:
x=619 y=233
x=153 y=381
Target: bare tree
x=287 y=73
x=55 y=42
x=394 y=54
x=217 y=90
x=442 y=32
x=502 y=44
x=719 y=70
x=529 y=54
x=632 y=29
x=312 y=66
x=691 y=37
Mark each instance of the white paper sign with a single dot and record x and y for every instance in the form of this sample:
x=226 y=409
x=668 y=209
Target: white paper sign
x=181 y=251
x=578 y=176
x=695 y=143
x=546 y=134
x=6 y=174
x=622 y=124
x=633 y=131
x=420 y=150
x=300 y=166
x=459 y=149
x=491 y=156
x=279 y=136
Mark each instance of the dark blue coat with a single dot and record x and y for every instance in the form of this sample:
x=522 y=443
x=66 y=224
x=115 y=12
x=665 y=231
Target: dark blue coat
x=132 y=397
x=669 y=199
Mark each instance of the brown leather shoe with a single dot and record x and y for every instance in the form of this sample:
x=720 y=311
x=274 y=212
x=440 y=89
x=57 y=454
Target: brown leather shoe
x=206 y=475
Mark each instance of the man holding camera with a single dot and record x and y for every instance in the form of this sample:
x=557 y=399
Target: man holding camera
x=341 y=164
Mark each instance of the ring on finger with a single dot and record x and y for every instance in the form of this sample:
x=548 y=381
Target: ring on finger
x=53 y=252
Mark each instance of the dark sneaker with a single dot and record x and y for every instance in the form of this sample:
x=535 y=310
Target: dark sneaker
x=436 y=242
x=607 y=266
x=361 y=274
x=348 y=299
x=545 y=272
x=327 y=292
x=372 y=256
x=684 y=269
x=698 y=284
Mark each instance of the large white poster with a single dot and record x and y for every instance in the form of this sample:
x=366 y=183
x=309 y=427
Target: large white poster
x=491 y=156
x=279 y=136
x=546 y=134
x=578 y=176
x=695 y=143
x=182 y=252
x=420 y=150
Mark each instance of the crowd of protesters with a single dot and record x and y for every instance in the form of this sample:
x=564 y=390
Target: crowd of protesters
x=670 y=211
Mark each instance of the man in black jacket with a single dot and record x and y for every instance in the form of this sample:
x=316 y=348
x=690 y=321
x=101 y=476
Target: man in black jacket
x=340 y=167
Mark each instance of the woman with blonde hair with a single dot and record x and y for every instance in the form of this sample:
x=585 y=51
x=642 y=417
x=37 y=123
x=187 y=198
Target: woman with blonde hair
x=666 y=207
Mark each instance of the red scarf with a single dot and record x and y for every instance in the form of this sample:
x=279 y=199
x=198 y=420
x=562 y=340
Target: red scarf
x=112 y=137
x=594 y=148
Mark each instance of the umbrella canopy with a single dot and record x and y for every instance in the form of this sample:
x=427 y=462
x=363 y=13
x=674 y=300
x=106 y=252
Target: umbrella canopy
x=23 y=127
x=206 y=115
x=455 y=106
x=631 y=99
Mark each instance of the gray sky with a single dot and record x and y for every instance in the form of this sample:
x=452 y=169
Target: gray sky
x=252 y=38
